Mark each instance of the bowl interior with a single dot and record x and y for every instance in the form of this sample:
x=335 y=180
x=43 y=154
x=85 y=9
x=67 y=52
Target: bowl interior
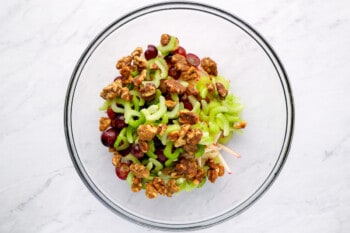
x=242 y=57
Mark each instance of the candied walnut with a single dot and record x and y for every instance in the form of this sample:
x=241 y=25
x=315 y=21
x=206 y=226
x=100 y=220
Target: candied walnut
x=126 y=79
x=215 y=170
x=199 y=176
x=174 y=86
x=139 y=170
x=125 y=94
x=148 y=92
x=187 y=167
x=112 y=90
x=162 y=86
x=143 y=146
x=124 y=61
x=171 y=187
x=151 y=191
x=153 y=66
x=190 y=148
x=140 y=63
x=191 y=90
x=180 y=142
x=240 y=125
x=194 y=136
x=137 y=52
x=116 y=159
x=159 y=185
x=161 y=129
x=209 y=66
x=186 y=117
x=112 y=149
x=170 y=104
x=105 y=122
x=147 y=132
x=210 y=87
x=125 y=71
x=180 y=63
x=173 y=136
x=136 y=184
x=164 y=39
x=190 y=74
x=184 y=129
x=222 y=90
x=139 y=78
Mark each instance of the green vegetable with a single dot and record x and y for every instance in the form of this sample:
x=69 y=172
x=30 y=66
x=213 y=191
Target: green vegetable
x=171 y=46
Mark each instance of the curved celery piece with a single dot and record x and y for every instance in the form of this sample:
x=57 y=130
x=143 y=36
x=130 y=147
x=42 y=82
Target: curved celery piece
x=131 y=158
x=225 y=124
x=157 y=115
x=157 y=165
x=163 y=66
x=204 y=104
x=200 y=150
x=129 y=132
x=202 y=86
x=196 y=105
x=129 y=178
x=171 y=46
x=203 y=92
x=211 y=105
x=155 y=81
x=115 y=107
x=121 y=138
x=174 y=113
x=169 y=162
x=214 y=111
x=168 y=151
x=226 y=139
x=138 y=122
x=174 y=97
x=156 y=98
x=169 y=129
x=165 y=119
x=149 y=166
x=213 y=128
x=232 y=118
x=203 y=117
x=105 y=105
x=150 y=153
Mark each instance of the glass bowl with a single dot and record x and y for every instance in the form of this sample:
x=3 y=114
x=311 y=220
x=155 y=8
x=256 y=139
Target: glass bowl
x=256 y=76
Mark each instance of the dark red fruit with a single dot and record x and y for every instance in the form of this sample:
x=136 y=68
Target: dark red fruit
x=122 y=171
x=172 y=72
x=126 y=151
x=151 y=52
x=160 y=155
x=180 y=50
x=136 y=151
x=118 y=122
x=118 y=77
x=111 y=114
x=168 y=57
x=108 y=137
x=187 y=104
x=192 y=59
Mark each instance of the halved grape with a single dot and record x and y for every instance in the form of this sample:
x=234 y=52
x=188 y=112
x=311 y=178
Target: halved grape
x=180 y=50
x=111 y=114
x=108 y=137
x=151 y=52
x=193 y=59
x=136 y=151
x=122 y=171
x=118 y=122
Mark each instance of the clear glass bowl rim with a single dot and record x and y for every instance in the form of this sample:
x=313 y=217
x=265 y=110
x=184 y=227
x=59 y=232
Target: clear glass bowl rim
x=290 y=112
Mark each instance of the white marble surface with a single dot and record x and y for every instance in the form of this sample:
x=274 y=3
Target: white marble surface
x=40 y=42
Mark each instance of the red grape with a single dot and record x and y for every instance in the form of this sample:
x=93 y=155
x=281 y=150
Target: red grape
x=168 y=57
x=108 y=137
x=118 y=122
x=160 y=155
x=111 y=114
x=151 y=52
x=192 y=59
x=174 y=73
x=118 y=77
x=122 y=171
x=180 y=50
x=187 y=104
x=136 y=151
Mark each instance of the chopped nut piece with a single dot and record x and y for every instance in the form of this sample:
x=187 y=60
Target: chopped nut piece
x=184 y=129
x=173 y=136
x=190 y=74
x=170 y=104
x=161 y=129
x=105 y=122
x=139 y=78
x=124 y=61
x=174 y=86
x=147 y=132
x=137 y=52
x=125 y=71
x=116 y=159
x=163 y=86
x=151 y=191
x=240 y=125
x=153 y=66
x=143 y=146
x=222 y=90
x=210 y=87
x=112 y=90
x=180 y=63
x=171 y=187
x=209 y=66
x=125 y=94
x=139 y=170
x=190 y=148
x=148 y=92
x=187 y=167
x=159 y=185
x=180 y=142
x=136 y=184
x=186 y=117
x=140 y=63
x=191 y=90
x=164 y=39
x=194 y=136
x=215 y=170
